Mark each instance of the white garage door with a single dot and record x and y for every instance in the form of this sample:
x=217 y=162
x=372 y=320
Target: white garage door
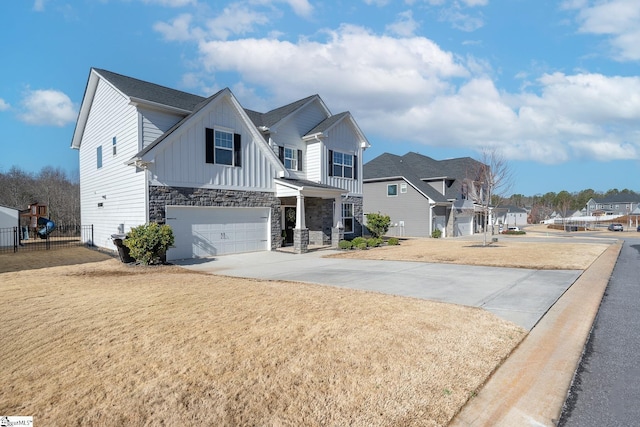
x=205 y=232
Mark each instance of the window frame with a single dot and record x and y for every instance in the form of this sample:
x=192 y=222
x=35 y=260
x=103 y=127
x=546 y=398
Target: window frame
x=99 y=157
x=392 y=193
x=347 y=208
x=217 y=149
x=222 y=151
x=114 y=146
x=291 y=156
x=340 y=166
x=403 y=187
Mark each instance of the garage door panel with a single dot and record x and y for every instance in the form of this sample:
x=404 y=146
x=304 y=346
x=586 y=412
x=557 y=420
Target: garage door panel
x=205 y=232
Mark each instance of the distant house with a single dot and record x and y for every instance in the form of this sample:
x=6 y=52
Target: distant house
x=9 y=218
x=510 y=216
x=617 y=204
x=225 y=178
x=422 y=194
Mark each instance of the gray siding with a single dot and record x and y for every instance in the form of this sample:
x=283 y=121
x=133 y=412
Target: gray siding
x=411 y=207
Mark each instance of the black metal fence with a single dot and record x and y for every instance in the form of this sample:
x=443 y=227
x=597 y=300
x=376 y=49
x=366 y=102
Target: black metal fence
x=17 y=239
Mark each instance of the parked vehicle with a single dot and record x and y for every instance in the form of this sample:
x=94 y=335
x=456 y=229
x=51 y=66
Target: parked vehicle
x=638 y=228
x=615 y=227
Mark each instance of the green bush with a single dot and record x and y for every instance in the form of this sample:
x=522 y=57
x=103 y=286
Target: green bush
x=436 y=234
x=378 y=224
x=345 y=244
x=358 y=240
x=374 y=242
x=361 y=245
x=393 y=241
x=148 y=243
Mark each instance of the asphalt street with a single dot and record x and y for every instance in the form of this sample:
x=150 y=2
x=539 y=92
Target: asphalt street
x=606 y=387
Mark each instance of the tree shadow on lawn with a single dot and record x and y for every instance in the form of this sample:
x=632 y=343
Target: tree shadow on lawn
x=33 y=260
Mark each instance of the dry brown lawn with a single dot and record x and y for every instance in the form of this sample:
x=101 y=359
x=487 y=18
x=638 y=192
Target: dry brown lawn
x=507 y=252
x=87 y=340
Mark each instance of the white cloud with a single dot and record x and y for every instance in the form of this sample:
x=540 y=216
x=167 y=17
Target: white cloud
x=235 y=19
x=47 y=107
x=353 y=65
x=460 y=20
x=38 y=5
x=404 y=25
x=171 y=3
x=179 y=29
x=4 y=105
x=616 y=19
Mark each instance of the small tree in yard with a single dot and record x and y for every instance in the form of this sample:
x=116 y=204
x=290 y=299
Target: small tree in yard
x=149 y=243
x=378 y=224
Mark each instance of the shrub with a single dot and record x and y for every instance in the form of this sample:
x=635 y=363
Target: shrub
x=374 y=242
x=358 y=240
x=436 y=234
x=345 y=244
x=148 y=243
x=362 y=245
x=393 y=241
x=378 y=224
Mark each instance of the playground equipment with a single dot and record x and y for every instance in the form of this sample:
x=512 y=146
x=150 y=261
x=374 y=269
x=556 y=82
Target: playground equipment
x=47 y=227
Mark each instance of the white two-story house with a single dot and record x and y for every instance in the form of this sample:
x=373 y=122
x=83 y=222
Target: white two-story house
x=226 y=179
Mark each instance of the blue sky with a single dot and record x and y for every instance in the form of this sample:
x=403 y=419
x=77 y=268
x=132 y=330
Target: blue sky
x=553 y=85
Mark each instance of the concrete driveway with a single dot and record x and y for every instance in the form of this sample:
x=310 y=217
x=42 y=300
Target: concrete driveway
x=521 y=296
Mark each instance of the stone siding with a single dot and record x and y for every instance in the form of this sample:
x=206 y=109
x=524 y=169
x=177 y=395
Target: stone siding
x=160 y=197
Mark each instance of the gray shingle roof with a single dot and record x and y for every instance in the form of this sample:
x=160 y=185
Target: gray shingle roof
x=152 y=92
x=327 y=123
x=618 y=198
x=416 y=168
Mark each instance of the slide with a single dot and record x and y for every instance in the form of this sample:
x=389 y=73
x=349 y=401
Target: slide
x=47 y=227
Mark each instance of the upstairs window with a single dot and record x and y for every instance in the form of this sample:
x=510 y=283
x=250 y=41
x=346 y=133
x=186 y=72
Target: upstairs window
x=392 y=190
x=223 y=148
x=342 y=164
x=99 y=157
x=113 y=145
x=291 y=158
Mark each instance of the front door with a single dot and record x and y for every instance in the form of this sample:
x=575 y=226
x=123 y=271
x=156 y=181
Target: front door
x=289 y=224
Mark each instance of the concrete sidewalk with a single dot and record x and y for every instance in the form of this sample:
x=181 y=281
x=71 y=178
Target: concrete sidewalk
x=521 y=296
x=530 y=388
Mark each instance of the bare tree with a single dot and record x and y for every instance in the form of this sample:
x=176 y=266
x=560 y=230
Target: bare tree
x=493 y=180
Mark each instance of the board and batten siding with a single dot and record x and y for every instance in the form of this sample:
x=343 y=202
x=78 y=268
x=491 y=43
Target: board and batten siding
x=180 y=160
x=154 y=124
x=411 y=207
x=119 y=188
x=342 y=138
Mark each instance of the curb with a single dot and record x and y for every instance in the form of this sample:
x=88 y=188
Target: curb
x=531 y=386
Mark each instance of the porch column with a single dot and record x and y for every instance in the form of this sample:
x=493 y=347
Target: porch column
x=301 y=232
x=300 y=223
x=337 y=213
x=337 y=231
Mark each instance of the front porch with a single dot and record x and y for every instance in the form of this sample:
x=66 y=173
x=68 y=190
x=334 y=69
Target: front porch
x=311 y=215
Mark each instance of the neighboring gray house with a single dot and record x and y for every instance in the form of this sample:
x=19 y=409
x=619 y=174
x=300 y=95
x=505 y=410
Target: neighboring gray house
x=225 y=178
x=9 y=218
x=617 y=204
x=421 y=194
x=510 y=216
